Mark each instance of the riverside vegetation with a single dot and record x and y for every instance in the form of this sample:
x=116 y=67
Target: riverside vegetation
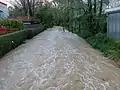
x=87 y=19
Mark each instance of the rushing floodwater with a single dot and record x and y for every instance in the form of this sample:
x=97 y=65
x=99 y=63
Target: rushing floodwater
x=57 y=60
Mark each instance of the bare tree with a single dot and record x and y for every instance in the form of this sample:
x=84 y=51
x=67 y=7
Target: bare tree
x=28 y=7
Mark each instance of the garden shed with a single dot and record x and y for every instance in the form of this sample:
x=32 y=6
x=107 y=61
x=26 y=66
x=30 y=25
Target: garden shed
x=113 y=22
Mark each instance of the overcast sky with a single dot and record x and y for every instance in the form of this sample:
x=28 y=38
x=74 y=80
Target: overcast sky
x=112 y=2
x=6 y=2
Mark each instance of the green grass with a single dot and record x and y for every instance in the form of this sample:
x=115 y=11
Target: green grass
x=107 y=45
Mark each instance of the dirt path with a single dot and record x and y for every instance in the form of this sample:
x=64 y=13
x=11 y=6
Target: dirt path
x=57 y=60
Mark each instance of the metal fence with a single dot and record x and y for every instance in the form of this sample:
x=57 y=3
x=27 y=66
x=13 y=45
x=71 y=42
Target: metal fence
x=113 y=24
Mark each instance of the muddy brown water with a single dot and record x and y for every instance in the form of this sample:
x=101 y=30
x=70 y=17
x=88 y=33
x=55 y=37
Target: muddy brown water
x=57 y=60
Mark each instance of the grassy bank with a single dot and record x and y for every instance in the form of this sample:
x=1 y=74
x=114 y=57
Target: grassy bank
x=107 y=45
x=12 y=40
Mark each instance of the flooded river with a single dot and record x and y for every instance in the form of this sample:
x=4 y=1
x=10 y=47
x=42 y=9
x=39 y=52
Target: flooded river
x=57 y=60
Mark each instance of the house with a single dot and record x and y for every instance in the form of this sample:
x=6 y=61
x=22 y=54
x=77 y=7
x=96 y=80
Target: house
x=25 y=19
x=4 y=13
x=113 y=19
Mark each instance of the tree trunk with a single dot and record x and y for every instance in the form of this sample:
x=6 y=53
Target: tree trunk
x=29 y=7
x=89 y=6
x=33 y=7
x=90 y=16
x=101 y=6
x=94 y=7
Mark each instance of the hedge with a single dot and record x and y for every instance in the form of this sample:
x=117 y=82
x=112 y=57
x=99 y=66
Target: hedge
x=12 y=23
x=12 y=40
x=33 y=32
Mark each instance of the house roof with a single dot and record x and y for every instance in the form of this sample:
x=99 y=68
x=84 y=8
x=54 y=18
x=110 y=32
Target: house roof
x=113 y=10
x=3 y=3
x=23 y=18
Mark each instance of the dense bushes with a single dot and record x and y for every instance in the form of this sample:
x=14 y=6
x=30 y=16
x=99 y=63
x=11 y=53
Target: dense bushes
x=12 y=23
x=12 y=40
x=109 y=46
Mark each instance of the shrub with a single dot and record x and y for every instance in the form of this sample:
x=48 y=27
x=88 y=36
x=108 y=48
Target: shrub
x=12 y=40
x=12 y=23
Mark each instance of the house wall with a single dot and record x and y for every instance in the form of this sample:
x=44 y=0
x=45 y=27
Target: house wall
x=113 y=24
x=1 y=13
x=4 y=13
